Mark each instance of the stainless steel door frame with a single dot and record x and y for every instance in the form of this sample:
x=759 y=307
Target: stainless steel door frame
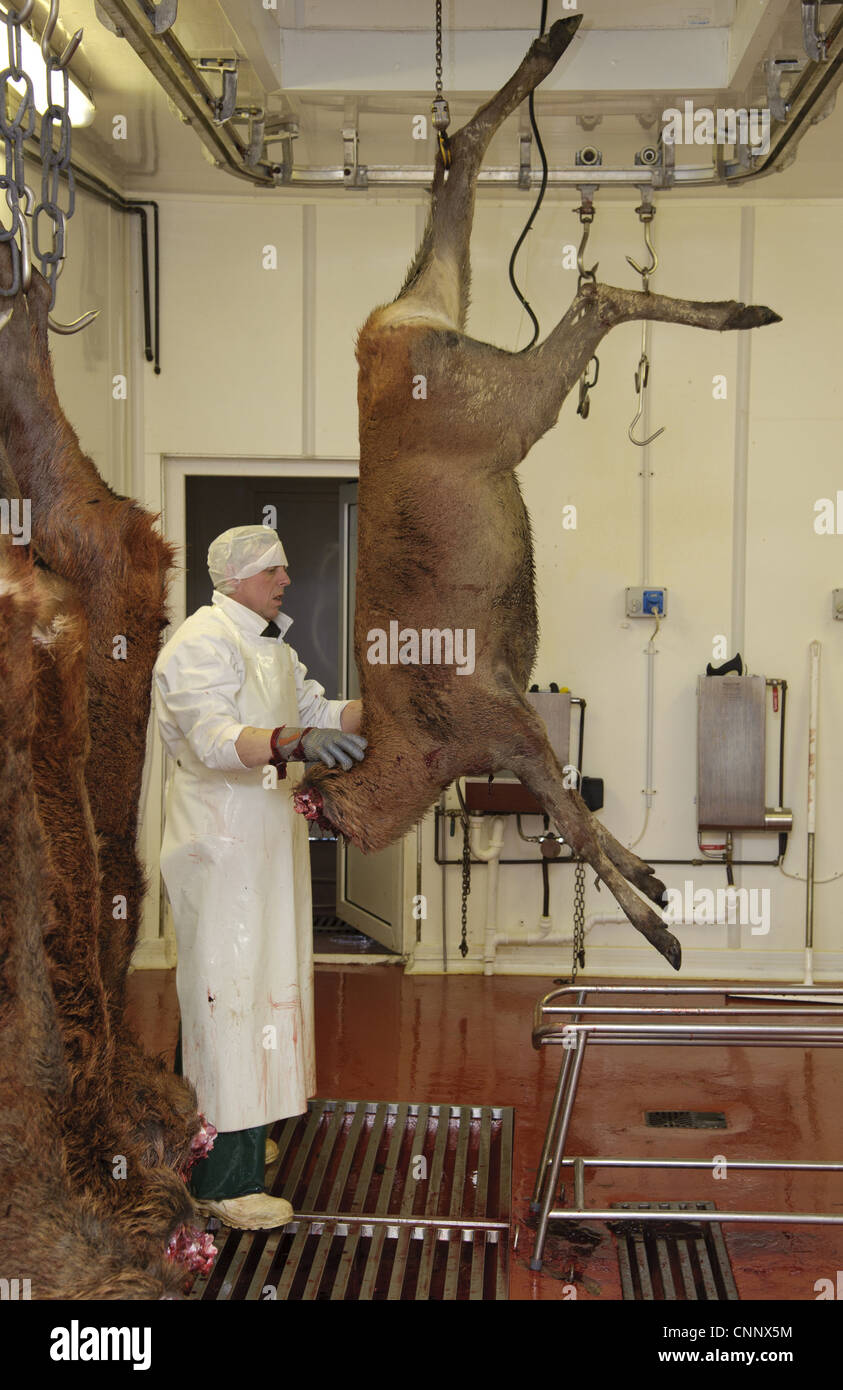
x=370 y=887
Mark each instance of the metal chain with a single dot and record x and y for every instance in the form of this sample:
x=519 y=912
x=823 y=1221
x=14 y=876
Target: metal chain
x=439 y=107
x=55 y=161
x=13 y=133
x=466 y=887
x=578 y=961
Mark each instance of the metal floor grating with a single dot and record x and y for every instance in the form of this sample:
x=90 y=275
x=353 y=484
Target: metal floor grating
x=392 y=1201
x=673 y=1261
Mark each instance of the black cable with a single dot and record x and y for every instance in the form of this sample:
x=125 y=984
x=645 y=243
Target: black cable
x=531 y=219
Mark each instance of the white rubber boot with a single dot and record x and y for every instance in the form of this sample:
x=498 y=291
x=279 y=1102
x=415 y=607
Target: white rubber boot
x=255 y=1212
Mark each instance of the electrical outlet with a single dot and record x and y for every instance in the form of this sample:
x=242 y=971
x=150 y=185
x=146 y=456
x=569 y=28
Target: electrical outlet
x=646 y=603
x=837 y=604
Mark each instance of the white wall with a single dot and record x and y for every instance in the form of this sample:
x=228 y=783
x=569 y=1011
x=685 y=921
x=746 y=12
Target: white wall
x=259 y=365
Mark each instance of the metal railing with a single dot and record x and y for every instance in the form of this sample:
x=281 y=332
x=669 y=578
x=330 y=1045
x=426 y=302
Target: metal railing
x=575 y=1035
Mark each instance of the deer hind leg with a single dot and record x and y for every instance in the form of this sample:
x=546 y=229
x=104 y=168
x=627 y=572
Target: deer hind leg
x=531 y=758
x=440 y=274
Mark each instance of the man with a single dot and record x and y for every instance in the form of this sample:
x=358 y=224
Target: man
x=231 y=698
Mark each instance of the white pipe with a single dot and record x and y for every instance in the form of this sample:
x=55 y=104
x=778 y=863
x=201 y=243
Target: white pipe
x=492 y=938
x=651 y=654
x=489 y=856
x=811 y=820
x=740 y=485
x=616 y=919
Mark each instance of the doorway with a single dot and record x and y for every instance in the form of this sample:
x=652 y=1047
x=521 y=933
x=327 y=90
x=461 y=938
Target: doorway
x=355 y=903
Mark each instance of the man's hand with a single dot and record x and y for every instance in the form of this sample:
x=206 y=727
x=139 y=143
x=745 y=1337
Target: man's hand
x=352 y=717
x=254 y=746
x=331 y=746
x=328 y=746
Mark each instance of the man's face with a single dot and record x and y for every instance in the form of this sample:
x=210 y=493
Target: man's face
x=263 y=592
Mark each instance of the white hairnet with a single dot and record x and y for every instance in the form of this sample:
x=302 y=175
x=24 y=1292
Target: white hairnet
x=241 y=552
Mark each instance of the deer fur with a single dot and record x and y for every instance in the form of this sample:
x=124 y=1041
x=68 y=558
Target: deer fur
x=444 y=537
x=55 y=1230
x=120 y=1127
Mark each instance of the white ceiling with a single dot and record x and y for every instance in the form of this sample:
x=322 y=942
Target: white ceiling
x=321 y=61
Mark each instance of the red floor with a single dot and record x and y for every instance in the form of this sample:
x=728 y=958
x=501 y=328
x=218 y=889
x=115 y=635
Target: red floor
x=383 y=1035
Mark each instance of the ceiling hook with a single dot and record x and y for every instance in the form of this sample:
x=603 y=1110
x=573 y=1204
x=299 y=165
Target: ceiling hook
x=646 y=213
x=585 y=212
x=49 y=29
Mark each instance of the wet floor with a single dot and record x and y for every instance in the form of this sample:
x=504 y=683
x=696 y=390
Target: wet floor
x=384 y=1035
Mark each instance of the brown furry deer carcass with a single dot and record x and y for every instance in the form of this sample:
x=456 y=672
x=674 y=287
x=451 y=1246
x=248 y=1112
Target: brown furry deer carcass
x=444 y=538
x=58 y=1238
x=125 y=1126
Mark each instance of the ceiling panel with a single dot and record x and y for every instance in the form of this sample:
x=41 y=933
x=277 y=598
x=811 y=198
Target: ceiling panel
x=372 y=62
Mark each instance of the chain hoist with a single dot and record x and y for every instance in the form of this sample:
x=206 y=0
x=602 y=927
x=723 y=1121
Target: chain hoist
x=466 y=887
x=14 y=132
x=55 y=158
x=439 y=106
x=578 y=961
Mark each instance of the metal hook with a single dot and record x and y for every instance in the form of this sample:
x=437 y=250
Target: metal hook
x=76 y=326
x=646 y=213
x=49 y=29
x=646 y=271
x=641 y=378
x=586 y=215
x=25 y=248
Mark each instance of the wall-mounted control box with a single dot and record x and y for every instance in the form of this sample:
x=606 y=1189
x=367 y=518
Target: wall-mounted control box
x=646 y=603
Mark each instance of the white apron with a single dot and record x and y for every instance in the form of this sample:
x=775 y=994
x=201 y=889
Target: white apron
x=235 y=862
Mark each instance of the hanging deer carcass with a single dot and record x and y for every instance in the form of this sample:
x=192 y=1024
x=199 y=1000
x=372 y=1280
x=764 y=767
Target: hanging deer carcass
x=444 y=538
x=124 y=1128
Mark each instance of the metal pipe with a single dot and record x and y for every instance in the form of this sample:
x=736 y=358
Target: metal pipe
x=559 y=1148
x=579 y=1009
x=744 y=1165
x=561 y=1087
x=440 y=821
x=427 y=1222
x=443 y=813
x=811 y=819
x=761 y=1218
x=687 y=989
x=419 y=880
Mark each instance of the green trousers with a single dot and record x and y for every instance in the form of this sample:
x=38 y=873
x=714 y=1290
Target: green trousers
x=235 y=1165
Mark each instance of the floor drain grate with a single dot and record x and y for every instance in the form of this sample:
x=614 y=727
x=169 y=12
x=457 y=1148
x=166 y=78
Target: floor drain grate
x=392 y=1202
x=672 y=1261
x=685 y=1119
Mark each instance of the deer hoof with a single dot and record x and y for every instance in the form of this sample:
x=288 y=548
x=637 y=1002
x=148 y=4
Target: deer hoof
x=559 y=35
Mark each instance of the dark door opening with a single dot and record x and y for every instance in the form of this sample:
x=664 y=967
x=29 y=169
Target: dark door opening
x=305 y=517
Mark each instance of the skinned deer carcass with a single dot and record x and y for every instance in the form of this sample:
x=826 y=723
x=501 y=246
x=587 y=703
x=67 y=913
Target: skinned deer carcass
x=444 y=539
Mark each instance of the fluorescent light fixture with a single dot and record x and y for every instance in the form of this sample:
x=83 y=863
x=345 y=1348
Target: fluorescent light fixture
x=81 y=107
